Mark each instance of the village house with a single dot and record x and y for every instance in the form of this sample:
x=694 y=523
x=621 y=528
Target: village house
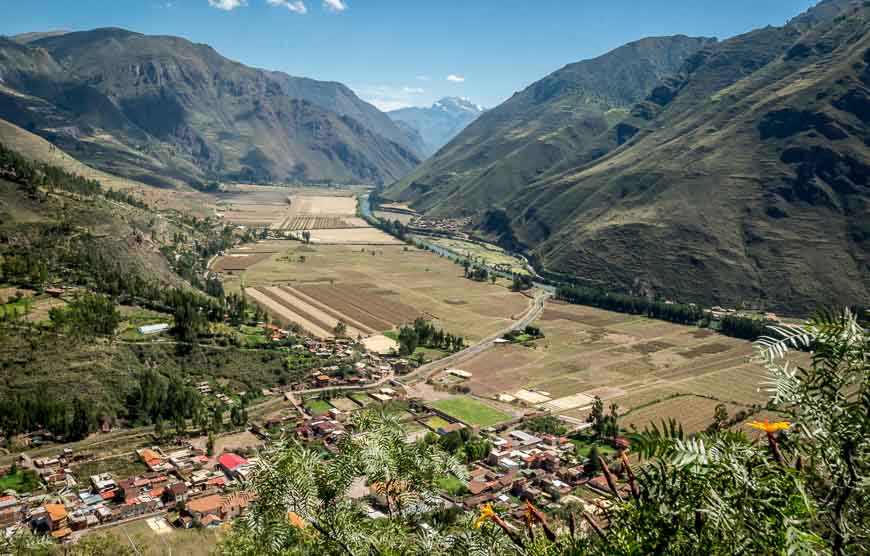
x=230 y=463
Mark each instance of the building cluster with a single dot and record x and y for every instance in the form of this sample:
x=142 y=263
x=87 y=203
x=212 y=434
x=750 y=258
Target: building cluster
x=452 y=226
x=346 y=365
x=181 y=484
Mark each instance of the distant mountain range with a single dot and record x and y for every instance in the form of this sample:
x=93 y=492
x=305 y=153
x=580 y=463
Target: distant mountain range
x=439 y=123
x=717 y=172
x=165 y=111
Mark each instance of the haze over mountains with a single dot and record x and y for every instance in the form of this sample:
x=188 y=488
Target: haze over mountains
x=439 y=123
x=741 y=177
x=164 y=110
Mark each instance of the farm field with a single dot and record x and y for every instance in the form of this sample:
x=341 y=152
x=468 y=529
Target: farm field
x=353 y=236
x=471 y=411
x=692 y=412
x=490 y=255
x=280 y=208
x=377 y=288
x=635 y=362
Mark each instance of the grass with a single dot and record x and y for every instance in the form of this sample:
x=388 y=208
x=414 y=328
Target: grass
x=452 y=485
x=490 y=255
x=364 y=399
x=20 y=481
x=471 y=412
x=120 y=467
x=431 y=354
x=317 y=407
x=436 y=422
x=584 y=445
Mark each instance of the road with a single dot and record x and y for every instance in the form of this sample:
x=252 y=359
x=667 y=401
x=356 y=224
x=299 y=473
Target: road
x=532 y=313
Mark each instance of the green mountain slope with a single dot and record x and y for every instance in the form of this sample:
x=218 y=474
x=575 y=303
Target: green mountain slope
x=565 y=114
x=749 y=180
x=164 y=110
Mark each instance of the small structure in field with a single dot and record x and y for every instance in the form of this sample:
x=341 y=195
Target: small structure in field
x=149 y=329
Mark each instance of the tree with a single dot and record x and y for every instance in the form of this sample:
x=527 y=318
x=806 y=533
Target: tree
x=592 y=466
x=86 y=316
x=720 y=418
x=612 y=422
x=597 y=418
x=293 y=478
x=209 y=445
x=340 y=329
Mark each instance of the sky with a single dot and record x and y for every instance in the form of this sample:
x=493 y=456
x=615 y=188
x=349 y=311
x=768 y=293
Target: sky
x=397 y=53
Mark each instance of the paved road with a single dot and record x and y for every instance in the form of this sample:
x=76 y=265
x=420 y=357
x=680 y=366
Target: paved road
x=528 y=318
x=532 y=313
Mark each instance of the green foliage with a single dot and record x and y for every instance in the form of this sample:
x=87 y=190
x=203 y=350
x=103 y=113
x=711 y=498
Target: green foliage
x=20 y=480
x=671 y=312
x=547 y=424
x=157 y=397
x=425 y=334
x=293 y=478
x=521 y=283
x=25 y=413
x=86 y=316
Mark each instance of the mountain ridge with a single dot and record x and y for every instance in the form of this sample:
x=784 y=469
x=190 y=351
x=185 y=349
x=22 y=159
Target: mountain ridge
x=168 y=110
x=439 y=123
x=739 y=179
x=536 y=128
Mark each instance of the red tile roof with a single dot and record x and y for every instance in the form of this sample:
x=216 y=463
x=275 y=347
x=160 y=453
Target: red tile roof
x=231 y=461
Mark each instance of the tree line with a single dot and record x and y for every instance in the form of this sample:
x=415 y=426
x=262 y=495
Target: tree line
x=32 y=175
x=27 y=412
x=733 y=325
x=425 y=334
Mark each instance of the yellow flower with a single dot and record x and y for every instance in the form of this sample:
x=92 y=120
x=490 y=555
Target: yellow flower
x=530 y=513
x=769 y=427
x=486 y=512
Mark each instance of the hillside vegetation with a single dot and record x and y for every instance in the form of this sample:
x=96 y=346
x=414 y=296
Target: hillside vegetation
x=741 y=179
x=164 y=111
x=566 y=114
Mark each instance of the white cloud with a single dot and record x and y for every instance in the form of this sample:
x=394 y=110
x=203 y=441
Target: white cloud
x=388 y=97
x=455 y=78
x=335 y=5
x=423 y=78
x=297 y=6
x=227 y=5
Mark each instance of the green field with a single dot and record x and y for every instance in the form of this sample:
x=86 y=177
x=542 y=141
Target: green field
x=436 y=423
x=470 y=411
x=452 y=485
x=317 y=407
x=20 y=481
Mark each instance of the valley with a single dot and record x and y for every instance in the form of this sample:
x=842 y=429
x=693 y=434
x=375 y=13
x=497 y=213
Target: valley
x=249 y=313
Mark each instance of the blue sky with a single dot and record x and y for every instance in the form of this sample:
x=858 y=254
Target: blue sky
x=408 y=52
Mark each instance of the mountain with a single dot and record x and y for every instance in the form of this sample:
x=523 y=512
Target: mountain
x=562 y=116
x=165 y=111
x=439 y=123
x=745 y=178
